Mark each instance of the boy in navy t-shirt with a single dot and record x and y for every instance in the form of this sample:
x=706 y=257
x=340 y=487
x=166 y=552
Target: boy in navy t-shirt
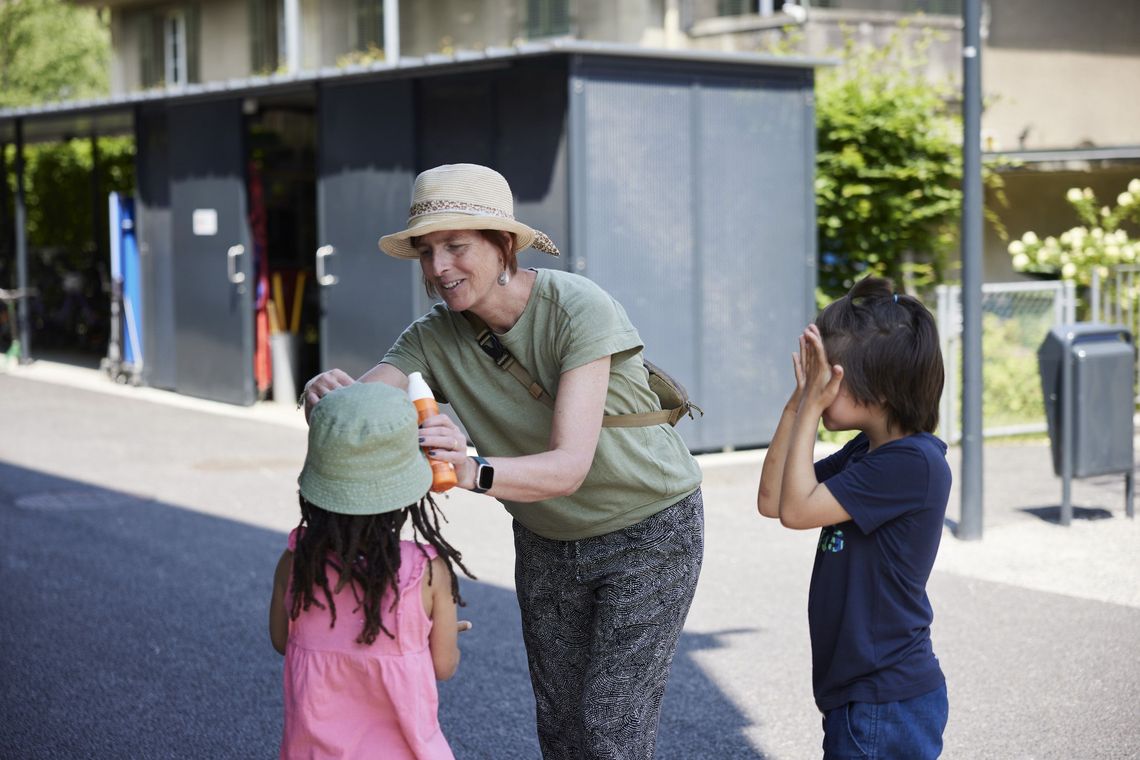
x=880 y=501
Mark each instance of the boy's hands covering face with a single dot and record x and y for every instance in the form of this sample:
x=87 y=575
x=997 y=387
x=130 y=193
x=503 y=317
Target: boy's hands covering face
x=817 y=381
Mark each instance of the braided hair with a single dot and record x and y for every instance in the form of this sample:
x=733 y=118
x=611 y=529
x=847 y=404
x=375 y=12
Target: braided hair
x=363 y=551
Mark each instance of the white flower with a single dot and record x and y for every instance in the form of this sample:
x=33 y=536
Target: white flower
x=1029 y=238
x=1134 y=187
x=1078 y=234
x=1087 y=193
x=1069 y=271
x=1103 y=272
x=1128 y=252
x=1097 y=233
x=1020 y=261
x=1050 y=242
x=1124 y=199
x=1074 y=195
x=1105 y=211
x=1016 y=248
x=1112 y=253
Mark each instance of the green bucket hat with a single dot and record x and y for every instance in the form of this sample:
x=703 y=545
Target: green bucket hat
x=364 y=456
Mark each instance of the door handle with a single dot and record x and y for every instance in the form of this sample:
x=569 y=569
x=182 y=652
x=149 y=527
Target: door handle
x=323 y=278
x=236 y=277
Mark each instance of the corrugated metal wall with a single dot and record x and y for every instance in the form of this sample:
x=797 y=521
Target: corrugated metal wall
x=692 y=205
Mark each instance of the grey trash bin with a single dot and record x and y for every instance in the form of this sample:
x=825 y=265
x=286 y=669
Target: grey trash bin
x=1089 y=368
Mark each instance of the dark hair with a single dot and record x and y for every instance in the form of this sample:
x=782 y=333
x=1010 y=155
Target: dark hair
x=888 y=347
x=501 y=239
x=368 y=547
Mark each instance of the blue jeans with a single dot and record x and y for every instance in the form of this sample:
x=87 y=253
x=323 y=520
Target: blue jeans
x=907 y=730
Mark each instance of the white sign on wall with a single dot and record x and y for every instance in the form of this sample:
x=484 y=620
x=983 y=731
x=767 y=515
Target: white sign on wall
x=205 y=221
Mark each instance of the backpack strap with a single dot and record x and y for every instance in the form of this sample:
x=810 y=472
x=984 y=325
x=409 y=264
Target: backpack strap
x=491 y=346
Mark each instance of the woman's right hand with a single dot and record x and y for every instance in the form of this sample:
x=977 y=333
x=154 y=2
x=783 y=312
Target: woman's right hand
x=322 y=384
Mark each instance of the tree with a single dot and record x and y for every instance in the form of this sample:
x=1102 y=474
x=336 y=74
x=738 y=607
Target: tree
x=888 y=167
x=51 y=50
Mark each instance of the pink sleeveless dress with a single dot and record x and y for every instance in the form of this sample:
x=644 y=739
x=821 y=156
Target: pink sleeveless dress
x=348 y=700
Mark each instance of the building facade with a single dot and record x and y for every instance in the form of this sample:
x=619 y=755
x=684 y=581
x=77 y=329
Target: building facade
x=1056 y=74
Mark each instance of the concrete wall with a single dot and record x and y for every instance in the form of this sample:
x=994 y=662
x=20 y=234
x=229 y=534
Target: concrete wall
x=223 y=33
x=825 y=33
x=434 y=26
x=632 y=22
x=225 y=52
x=125 y=75
x=1062 y=74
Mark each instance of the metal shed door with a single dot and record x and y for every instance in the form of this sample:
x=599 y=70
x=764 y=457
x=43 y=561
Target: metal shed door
x=213 y=268
x=364 y=186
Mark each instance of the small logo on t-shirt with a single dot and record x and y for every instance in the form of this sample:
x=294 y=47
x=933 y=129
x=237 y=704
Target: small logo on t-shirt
x=831 y=539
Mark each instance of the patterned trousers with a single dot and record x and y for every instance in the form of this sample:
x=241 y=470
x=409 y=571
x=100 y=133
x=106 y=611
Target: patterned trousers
x=601 y=618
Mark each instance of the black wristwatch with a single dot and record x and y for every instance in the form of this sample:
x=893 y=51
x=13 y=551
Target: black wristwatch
x=484 y=475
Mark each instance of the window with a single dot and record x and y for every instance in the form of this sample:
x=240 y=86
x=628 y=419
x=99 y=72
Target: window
x=174 y=48
x=947 y=7
x=266 y=35
x=168 y=46
x=745 y=7
x=547 y=18
x=369 y=25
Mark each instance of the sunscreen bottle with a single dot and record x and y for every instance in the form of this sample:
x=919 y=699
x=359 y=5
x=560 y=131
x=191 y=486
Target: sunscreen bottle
x=442 y=473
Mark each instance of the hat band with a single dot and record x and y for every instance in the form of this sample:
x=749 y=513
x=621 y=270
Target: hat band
x=424 y=208
x=541 y=242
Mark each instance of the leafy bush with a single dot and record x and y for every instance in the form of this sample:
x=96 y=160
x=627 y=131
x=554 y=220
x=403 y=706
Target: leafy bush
x=1097 y=243
x=66 y=248
x=1010 y=379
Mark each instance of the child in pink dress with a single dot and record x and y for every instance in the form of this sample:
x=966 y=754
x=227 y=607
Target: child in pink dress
x=366 y=621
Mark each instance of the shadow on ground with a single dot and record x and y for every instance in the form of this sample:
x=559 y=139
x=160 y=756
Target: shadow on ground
x=131 y=628
x=1052 y=513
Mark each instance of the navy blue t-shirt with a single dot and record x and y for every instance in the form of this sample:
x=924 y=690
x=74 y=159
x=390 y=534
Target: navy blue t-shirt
x=868 y=613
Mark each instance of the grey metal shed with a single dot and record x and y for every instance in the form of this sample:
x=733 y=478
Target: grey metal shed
x=680 y=182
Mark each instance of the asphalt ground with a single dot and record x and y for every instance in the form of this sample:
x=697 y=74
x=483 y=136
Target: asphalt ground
x=139 y=530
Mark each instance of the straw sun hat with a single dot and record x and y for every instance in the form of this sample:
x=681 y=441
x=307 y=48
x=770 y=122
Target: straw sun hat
x=462 y=197
x=364 y=456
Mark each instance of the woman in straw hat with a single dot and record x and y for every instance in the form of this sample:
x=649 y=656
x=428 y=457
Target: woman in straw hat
x=608 y=521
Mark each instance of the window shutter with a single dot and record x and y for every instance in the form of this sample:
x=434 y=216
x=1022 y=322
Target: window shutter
x=547 y=18
x=256 y=39
x=734 y=7
x=192 y=14
x=263 y=36
x=369 y=24
x=152 y=62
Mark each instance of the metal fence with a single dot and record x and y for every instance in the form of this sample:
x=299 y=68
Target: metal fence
x=1116 y=301
x=1016 y=316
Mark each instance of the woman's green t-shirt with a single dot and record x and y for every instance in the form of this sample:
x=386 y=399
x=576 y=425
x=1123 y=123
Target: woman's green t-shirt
x=568 y=321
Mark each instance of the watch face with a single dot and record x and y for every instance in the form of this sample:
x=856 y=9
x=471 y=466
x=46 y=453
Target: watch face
x=485 y=476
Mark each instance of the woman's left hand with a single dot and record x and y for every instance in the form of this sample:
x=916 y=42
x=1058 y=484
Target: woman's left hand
x=442 y=440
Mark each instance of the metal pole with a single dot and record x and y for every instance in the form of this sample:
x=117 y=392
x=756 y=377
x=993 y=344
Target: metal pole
x=5 y=217
x=1067 y=432
x=391 y=31
x=21 y=245
x=970 y=526
x=1094 y=295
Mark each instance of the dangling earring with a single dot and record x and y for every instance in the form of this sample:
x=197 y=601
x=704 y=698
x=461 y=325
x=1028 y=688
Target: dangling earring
x=504 y=277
